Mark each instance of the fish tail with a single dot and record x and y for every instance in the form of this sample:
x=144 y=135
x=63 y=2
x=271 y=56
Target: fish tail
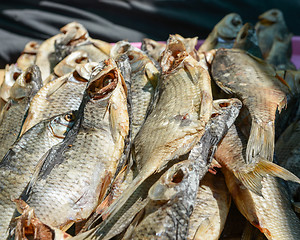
x=261 y=142
x=252 y=177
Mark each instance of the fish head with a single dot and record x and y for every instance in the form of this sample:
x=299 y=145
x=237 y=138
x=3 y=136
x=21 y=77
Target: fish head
x=31 y=47
x=153 y=47
x=246 y=34
x=73 y=34
x=69 y=63
x=173 y=55
x=27 y=84
x=60 y=125
x=270 y=17
x=12 y=72
x=103 y=81
x=224 y=114
x=84 y=71
x=120 y=48
x=229 y=26
x=171 y=183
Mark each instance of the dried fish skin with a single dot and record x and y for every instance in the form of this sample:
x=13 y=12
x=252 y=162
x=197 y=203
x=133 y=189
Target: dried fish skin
x=59 y=96
x=236 y=72
x=13 y=113
x=25 y=157
x=69 y=63
x=211 y=208
x=76 y=182
x=271 y=213
x=287 y=151
x=173 y=196
x=144 y=79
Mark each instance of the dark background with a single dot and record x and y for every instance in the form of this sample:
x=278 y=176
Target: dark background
x=109 y=20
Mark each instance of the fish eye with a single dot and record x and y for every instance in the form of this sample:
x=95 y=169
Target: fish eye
x=178 y=176
x=81 y=59
x=214 y=115
x=131 y=57
x=69 y=117
x=16 y=75
x=235 y=22
x=274 y=14
x=28 y=77
x=224 y=104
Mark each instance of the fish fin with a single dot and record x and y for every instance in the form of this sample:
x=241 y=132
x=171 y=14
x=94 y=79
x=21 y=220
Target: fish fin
x=132 y=226
x=36 y=172
x=28 y=225
x=252 y=178
x=57 y=83
x=261 y=142
x=205 y=227
x=284 y=82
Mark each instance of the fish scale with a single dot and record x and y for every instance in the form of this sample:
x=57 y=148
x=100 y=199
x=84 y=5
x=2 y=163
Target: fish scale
x=179 y=85
x=13 y=113
x=56 y=97
x=19 y=165
x=271 y=212
x=73 y=186
x=254 y=82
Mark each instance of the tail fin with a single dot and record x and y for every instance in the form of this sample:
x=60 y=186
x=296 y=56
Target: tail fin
x=252 y=178
x=261 y=142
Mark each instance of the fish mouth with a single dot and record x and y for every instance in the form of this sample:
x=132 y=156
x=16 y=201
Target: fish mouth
x=104 y=85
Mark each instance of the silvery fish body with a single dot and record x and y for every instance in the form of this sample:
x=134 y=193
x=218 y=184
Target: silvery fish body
x=82 y=168
x=14 y=111
x=24 y=160
x=59 y=96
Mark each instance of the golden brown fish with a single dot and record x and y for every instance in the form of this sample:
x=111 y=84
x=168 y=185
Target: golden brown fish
x=223 y=34
x=177 y=120
x=144 y=78
x=211 y=208
x=231 y=154
x=255 y=83
x=257 y=193
x=171 y=198
x=271 y=213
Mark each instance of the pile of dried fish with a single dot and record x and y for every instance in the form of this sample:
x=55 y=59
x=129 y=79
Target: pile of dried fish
x=101 y=141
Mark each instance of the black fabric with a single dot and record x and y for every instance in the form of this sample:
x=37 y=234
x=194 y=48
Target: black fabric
x=114 y=20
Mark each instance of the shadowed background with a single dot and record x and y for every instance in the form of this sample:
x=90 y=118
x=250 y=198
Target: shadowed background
x=25 y=20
